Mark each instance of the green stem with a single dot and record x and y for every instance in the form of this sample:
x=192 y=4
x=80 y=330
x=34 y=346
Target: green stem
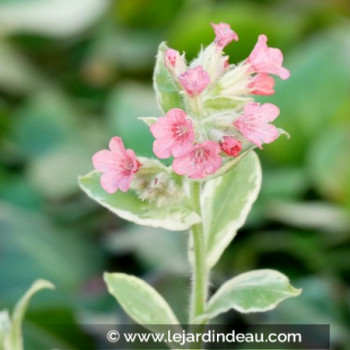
x=200 y=273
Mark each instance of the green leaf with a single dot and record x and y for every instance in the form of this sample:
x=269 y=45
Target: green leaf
x=167 y=94
x=129 y=207
x=20 y=310
x=254 y=291
x=5 y=327
x=139 y=300
x=226 y=202
x=219 y=103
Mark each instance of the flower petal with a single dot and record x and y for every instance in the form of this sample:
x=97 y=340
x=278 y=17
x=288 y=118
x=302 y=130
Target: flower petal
x=194 y=80
x=103 y=160
x=224 y=34
x=116 y=145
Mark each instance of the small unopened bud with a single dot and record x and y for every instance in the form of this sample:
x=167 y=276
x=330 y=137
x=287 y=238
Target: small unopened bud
x=174 y=62
x=194 y=80
x=231 y=146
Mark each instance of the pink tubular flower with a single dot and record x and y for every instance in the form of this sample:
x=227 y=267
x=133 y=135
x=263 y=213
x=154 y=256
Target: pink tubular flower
x=202 y=160
x=117 y=165
x=174 y=134
x=262 y=84
x=264 y=59
x=254 y=123
x=224 y=34
x=194 y=80
x=231 y=146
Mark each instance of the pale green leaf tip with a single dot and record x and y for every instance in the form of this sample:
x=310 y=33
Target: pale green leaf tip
x=109 y=276
x=283 y=132
x=79 y=179
x=82 y=178
x=293 y=292
x=148 y=120
x=296 y=291
x=42 y=284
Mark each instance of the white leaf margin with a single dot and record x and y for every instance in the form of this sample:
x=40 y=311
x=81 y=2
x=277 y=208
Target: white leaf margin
x=209 y=191
x=141 y=285
x=234 y=283
x=181 y=225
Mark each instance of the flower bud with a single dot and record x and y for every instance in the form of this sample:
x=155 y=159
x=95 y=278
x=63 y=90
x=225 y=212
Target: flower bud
x=194 y=80
x=174 y=62
x=231 y=146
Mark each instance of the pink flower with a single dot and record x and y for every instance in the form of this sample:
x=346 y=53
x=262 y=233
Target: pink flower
x=117 y=165
x=224 y=34
x=194 y=80
x=202 y=160
x=264 y=59
x=254 y=123
x=231 y=146
x=174 y=134
x=170 y=57
x=262 y=84
x=174 y=62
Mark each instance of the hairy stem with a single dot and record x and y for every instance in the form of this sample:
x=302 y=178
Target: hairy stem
x=200 y=273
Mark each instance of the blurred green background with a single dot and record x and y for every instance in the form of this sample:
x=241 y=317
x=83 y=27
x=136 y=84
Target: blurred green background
x=75 y=73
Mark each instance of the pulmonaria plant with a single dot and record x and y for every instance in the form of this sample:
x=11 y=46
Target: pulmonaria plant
x=210 y=125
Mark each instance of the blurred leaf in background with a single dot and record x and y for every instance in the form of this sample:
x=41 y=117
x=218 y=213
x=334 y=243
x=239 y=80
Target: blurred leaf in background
x=57 y=18
x=124 y=106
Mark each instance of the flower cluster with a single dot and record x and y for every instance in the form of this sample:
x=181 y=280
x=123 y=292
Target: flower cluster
x=217 y=120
